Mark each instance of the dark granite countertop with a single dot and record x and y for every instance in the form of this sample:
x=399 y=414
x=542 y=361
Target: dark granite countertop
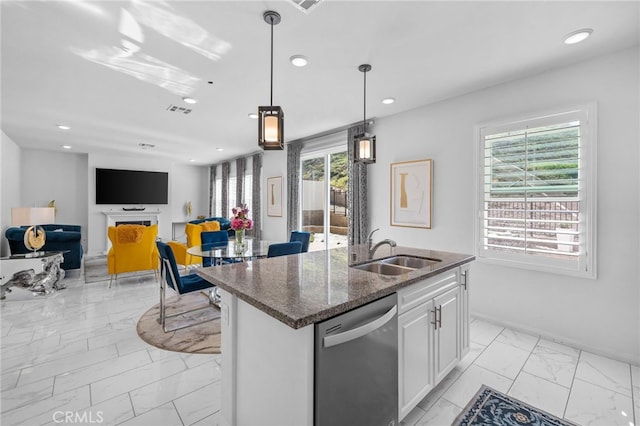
x=310 y=287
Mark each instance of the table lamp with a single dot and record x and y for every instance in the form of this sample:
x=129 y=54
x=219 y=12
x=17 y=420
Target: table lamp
x=34 y=236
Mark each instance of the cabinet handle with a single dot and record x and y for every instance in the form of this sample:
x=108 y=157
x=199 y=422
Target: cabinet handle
x=435 y=319
x=464 y=280
x=439 y=312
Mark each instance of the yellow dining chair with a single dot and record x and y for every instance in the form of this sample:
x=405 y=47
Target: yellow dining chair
x=193 y=232
x=133 y=248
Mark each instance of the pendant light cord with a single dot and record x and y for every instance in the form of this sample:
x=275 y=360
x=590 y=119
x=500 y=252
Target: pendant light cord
x=271 y=95
x=364 y=119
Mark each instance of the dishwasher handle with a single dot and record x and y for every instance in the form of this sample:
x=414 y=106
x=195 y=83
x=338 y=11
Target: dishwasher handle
x=349 y=335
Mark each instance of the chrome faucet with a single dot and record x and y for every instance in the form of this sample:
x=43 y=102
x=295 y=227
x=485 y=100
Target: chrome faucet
x=370 y=238
x=373 y=249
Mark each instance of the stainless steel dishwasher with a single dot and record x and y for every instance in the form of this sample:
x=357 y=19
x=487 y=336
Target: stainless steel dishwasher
x=356 y=366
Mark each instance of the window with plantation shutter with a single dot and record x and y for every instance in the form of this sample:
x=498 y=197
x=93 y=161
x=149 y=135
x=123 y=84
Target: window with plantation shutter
x=536 y=192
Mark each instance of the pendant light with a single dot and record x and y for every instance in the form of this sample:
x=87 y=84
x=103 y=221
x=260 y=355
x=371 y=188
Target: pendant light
x=271 y=118
x=364 y=145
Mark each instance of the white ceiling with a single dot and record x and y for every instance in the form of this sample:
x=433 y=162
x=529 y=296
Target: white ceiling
x=54 y=65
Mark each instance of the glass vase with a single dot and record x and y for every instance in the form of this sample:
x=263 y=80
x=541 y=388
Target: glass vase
x=240 y=238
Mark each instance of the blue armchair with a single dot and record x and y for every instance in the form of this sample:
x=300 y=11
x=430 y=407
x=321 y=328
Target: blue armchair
x=58 y=238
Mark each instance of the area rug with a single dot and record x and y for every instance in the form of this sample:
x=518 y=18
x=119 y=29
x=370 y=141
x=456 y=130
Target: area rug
x=202 y=338
x=95 y=270
x=490 y=407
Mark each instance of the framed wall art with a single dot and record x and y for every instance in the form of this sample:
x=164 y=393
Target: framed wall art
x=411 y=189
x=274 y=196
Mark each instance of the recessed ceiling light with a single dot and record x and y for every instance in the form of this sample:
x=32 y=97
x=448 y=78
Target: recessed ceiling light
x=577 y=36
x=253 y=115
x=189 y=100
x=66 y=146
x=63 y=127
x=219 y=149
x=299 y=60
x=388 y=101
x=191 y=160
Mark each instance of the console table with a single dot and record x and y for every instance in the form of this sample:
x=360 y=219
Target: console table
x=37 y=272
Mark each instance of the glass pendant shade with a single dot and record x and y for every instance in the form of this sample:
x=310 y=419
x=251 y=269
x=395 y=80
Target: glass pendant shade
x=364 y=149
x=271 y=127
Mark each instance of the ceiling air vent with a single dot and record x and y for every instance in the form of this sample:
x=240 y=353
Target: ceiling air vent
x=176 y=108
x=146 y=145
x=305 y=5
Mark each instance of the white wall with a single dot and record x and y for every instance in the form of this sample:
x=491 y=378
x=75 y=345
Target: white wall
x=600 y=315
x=59 y=176
x=189 y=183
x=184 y=181
x=10 y=185
x=274 y=163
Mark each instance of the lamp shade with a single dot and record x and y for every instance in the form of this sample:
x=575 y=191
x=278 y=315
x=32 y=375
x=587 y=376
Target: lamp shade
x=364 y=149
x=271 y=127
x=21 y=216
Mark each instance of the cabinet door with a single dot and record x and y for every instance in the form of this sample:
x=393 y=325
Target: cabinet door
x=447 y=333
x=464 y=310
x=415 y=377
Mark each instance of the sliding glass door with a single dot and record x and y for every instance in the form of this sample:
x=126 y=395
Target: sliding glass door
x=324 y=197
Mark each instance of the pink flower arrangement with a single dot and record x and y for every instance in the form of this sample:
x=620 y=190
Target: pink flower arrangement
x=240 y=219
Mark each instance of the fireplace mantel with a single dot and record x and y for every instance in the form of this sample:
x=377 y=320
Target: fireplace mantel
x=115 y=216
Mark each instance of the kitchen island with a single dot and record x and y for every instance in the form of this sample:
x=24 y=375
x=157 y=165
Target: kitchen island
x=269 y=308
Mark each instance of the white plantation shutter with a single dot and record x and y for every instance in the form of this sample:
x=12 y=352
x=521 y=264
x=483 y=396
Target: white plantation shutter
x=536 y=192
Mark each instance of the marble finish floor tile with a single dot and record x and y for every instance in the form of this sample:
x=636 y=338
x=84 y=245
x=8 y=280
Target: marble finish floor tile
x=166 y=390
x=468 y=384
x=517 y=339
x=442 y=413
x=77 y=351
x=593 y=405
x=43 y=411
x=164 y=415
x=102 y=370
x=553 y=362
x=484 y=332
x=133 y=379
x=605 y=372
x=540 y=393
x=503 y=359
x=200 y=403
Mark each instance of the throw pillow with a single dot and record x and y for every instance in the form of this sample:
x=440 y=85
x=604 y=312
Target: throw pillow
x=210 y=226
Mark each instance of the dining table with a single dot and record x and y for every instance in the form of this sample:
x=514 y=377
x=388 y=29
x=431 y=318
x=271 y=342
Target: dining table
x=232 y=251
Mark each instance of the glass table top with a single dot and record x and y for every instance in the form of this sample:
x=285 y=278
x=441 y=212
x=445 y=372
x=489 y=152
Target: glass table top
x=250 y=248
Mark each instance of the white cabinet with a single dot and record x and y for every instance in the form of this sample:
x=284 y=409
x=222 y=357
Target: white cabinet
x=433 y=317
x=446 y=333
x=414 y=348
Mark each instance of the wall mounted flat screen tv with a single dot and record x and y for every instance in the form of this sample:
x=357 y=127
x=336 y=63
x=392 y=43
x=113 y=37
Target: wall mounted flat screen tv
x=114 y=186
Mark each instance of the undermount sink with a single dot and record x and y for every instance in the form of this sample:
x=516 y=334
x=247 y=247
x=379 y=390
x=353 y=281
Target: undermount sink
x=397 y=265
x=384 y=268
x=411 y=261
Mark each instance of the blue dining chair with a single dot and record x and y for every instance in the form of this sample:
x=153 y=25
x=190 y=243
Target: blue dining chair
x=303 y=237
x=284 y=249
x=181 y=284
x=212 y=239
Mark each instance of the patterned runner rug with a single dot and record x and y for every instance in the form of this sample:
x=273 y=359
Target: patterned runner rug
x=490 y=407
x=202 y=338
